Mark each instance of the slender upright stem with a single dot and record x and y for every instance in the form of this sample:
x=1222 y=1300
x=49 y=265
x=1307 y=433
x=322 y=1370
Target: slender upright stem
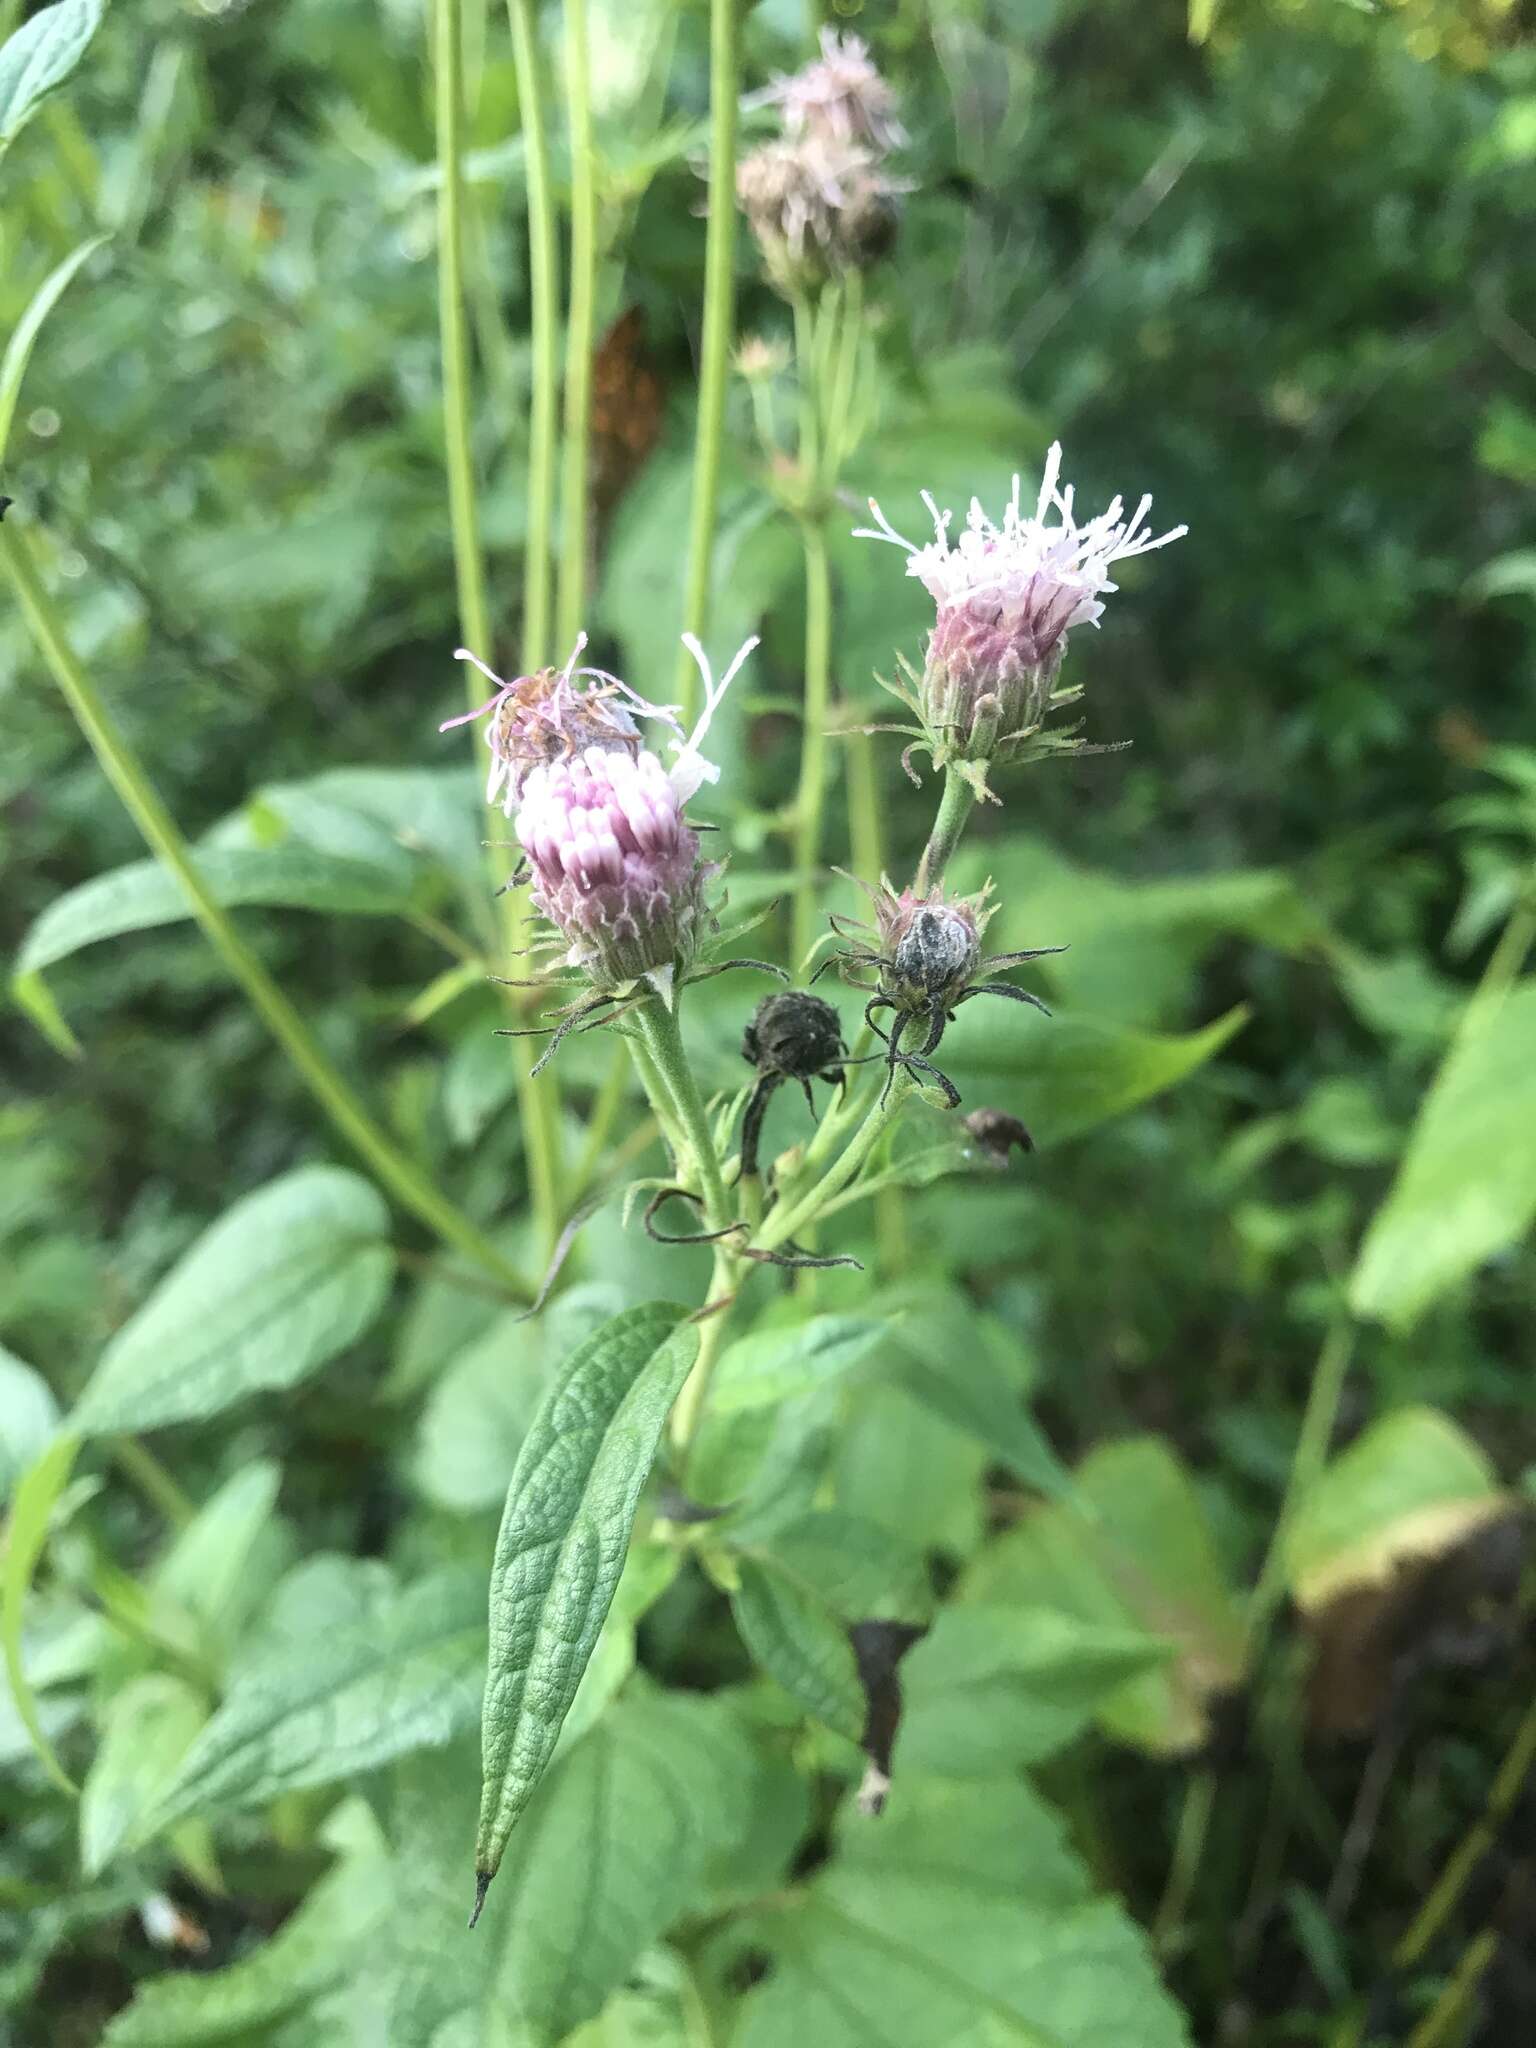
x=810 y=800
x=1519 y=1759
x=955 y=808
x=405 y=1179
x=453 y=326
x=581 y=328
x=719 y=321
x=1316 y=1433
x=544 y=321
x=787 y=1221
x=688 y=1410
x=538 y=1107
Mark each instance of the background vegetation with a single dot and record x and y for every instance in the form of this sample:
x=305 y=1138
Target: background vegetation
x=1194 y=1779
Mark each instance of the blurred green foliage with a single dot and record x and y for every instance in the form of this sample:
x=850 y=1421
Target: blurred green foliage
x=1279 y=276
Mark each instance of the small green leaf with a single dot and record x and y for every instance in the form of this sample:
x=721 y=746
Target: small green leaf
x=403 y=1678
x=221 y=1563
x=1467 y=1187
x=563 y=1539
x=1410 y=1487
x=26 y=1533
x=287 y=1278
x=798 y=1641
x=948 y=1357
x=29 y=1415
x=150 y=1726
x=143 y=896
x=41 y=57
x=774 y=1365
x=18 y=350
x=863 y=1572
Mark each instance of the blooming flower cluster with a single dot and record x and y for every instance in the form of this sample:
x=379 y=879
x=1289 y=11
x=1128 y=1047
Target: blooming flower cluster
x=820 y=198
x=1006 y=597
x=614 y=865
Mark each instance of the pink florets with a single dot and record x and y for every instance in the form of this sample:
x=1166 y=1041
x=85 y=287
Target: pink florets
x=614 y=865
x=841 y=96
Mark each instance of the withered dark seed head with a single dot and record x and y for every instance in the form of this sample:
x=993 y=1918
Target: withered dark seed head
x=795 y=1034
x=997 y=1133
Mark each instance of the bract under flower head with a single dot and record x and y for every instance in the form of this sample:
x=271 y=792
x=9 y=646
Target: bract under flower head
x=1007 y=596
x=841 y=94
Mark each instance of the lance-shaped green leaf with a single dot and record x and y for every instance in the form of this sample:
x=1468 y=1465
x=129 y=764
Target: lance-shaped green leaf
x=18 y=350
x=401 y=1679
x=282 y=1282
x=29 y=1415
x=150 y=1726
x=41 y=57
x=564 y=1535
x=800 y=1642
x=1467 y=1187
x=26 y=1533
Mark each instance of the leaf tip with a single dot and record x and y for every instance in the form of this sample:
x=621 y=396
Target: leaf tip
x=482 y=1886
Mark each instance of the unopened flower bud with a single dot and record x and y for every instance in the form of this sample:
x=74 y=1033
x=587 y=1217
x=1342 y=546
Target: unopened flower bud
x=1006 y=599
x=931 y=944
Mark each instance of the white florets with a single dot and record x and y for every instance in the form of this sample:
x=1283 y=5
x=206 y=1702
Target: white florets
x=1045 y=560
x=841 y=95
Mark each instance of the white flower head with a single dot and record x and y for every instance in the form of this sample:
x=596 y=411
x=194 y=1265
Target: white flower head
x=1044 y=571
x=841 y=95
x=691 y=771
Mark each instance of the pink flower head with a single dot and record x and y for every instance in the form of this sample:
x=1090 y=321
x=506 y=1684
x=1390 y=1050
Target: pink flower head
x=1007 y=596
x=841 y=95
x=615 y=866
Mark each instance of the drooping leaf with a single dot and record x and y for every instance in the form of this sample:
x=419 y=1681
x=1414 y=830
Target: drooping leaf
x=318 y=1951
x=859 y=1569
x=18 y=350
x=287 y=1278
x=150 y=1726
x=29 y=1415
x=40 y=57
x=143 y=896
x=1467 y=1187
x=564 y=1534
x=773 y=1365
x=960 y=1916
x=1410 y=1487
x=26 y=1532
x=406 y=1677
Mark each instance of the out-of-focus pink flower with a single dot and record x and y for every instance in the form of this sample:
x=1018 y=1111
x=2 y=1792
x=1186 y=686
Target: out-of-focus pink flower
x=818 y=206
x=840 y=94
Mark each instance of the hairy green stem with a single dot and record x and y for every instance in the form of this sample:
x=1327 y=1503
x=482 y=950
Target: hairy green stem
x=411 y=1186
x=538 y=1109
x=811 y=798
x=544 y=322
x=581 y=328
x=715 y=340
x=955 y=807
x=787 y=1221
x=659 y=1033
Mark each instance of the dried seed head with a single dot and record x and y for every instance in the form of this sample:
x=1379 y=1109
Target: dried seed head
x=794 y=1034
x=818 y=207
x=997 y=1134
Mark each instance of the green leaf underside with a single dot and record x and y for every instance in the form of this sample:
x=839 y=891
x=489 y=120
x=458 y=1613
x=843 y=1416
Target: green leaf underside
x=404 y=1678
x=562 y=1544
x=1467 y=1188
x=144 y=896
x=40 y=57
x=960 y=1916
x=282 y=1282
x=29 y=1415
